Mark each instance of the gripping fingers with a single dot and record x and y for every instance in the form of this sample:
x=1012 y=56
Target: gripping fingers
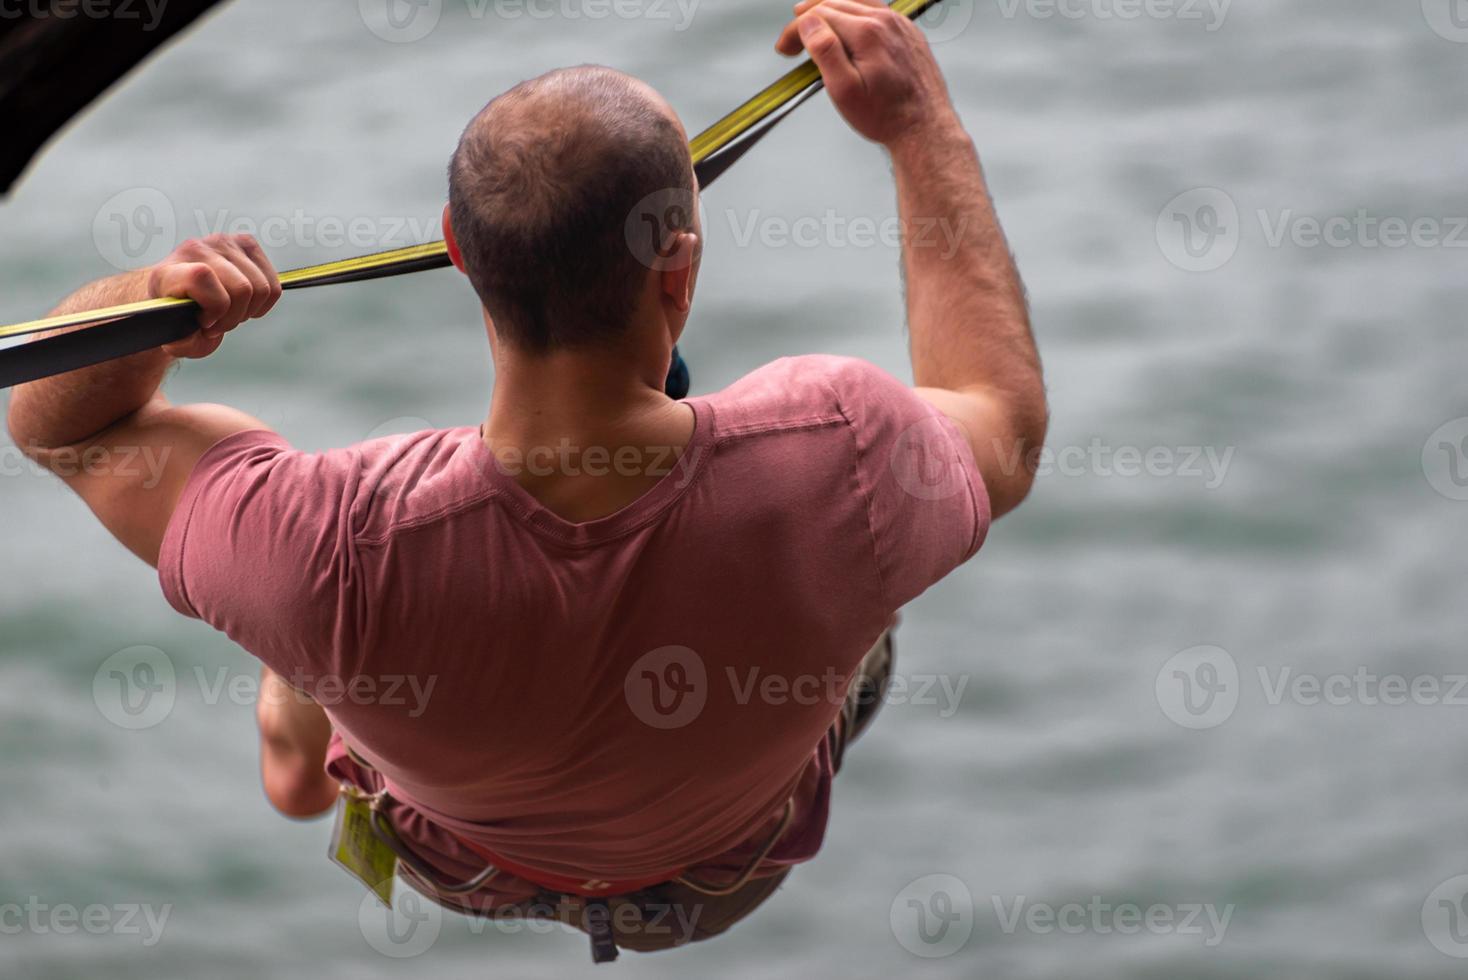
x=266 y=298
x=240 y=289
x=229 y=276
x=789 y=42
x=830 y=55
x=259 y=283
x=199 y=282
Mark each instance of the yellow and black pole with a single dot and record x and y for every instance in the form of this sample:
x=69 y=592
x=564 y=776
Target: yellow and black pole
x=100 y=335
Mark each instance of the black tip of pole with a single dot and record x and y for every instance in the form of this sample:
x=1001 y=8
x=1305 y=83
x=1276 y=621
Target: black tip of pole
x=679 y=379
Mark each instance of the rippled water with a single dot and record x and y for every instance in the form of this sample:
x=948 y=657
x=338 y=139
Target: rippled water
x=1313 y=543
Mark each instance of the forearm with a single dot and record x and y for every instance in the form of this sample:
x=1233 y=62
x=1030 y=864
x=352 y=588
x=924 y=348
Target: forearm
x=68 y=409
x=967 y=313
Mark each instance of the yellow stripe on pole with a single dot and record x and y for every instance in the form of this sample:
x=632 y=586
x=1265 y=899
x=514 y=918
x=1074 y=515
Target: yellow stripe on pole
x=365 y=263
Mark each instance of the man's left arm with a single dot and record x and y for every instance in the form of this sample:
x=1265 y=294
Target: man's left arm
x=107 y=431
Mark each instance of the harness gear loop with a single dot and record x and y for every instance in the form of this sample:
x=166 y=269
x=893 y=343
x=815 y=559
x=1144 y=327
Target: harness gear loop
x=382 y=827
x=745 y=876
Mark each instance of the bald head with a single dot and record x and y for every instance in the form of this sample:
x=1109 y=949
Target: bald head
x=540 y=191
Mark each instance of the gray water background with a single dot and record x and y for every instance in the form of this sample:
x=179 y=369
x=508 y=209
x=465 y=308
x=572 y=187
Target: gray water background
x=1322 y=548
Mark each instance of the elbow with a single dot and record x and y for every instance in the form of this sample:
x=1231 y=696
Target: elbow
x=1006 y=496
x=35 y=449
x=19 y=434
x=301 y=795
x=1031 y=425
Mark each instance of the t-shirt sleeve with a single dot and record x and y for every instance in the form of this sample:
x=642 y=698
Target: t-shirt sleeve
x=260 y=547
x=927 y=503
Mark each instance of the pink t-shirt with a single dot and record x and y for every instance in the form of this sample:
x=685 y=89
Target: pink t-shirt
x=620 y=699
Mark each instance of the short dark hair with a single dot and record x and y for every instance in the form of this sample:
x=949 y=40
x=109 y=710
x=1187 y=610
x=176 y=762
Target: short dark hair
x=540 y=191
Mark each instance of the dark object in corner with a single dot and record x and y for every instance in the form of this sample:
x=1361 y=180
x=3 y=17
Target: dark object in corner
x=55 y=59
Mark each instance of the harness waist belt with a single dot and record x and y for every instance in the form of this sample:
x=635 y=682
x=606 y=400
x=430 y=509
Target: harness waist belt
x=580 y=887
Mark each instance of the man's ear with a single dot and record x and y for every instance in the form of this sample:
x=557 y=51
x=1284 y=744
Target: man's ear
x=678 y=271
x=455 y=256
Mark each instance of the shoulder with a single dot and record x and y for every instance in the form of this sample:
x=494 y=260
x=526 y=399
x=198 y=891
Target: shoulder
x=264 y=450
x=807 y=391
x=380 y=481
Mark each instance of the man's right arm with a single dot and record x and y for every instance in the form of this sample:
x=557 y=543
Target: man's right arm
x=973 y=354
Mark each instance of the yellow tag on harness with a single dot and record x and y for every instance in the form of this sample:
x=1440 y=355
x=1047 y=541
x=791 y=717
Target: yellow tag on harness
x=357 y=848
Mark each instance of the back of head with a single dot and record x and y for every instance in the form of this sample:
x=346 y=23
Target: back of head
x=540 y=191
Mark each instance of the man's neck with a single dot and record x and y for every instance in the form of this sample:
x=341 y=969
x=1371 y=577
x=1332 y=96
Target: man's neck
x=579 y=431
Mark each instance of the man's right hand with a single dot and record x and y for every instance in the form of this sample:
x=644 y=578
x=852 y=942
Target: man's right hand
x=877 y=66
x=231 y=279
